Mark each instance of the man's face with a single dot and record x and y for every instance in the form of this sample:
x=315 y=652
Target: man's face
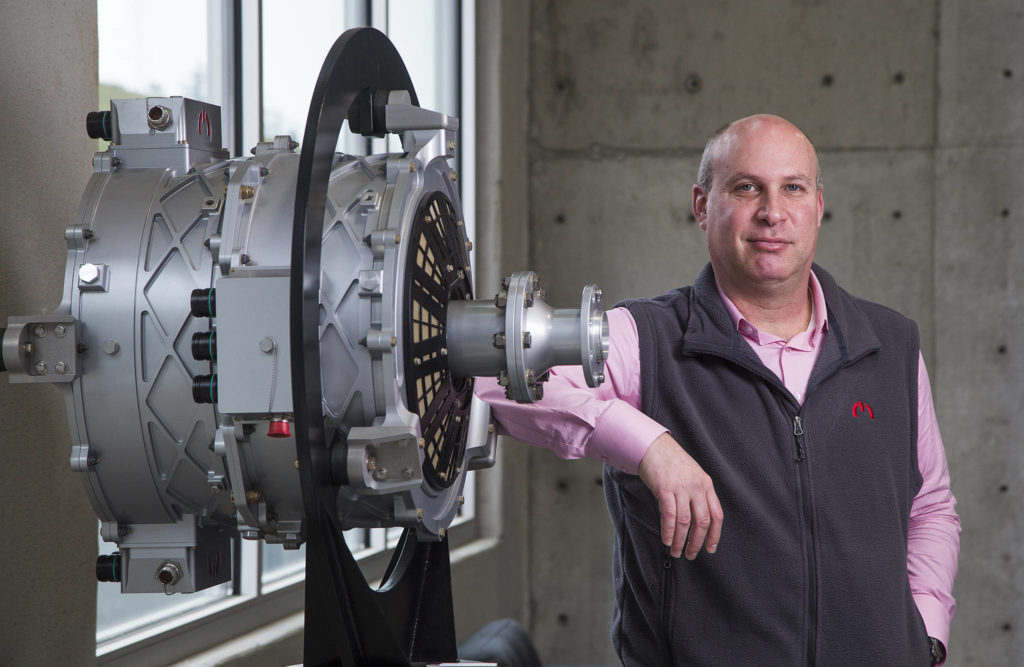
x=763 y=210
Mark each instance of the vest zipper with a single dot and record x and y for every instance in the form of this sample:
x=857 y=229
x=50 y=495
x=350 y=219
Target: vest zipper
x=798 y=430
x=667 y=595
x=808 y=516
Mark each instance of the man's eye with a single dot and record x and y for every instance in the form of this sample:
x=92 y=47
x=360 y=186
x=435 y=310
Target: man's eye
x=793 y=187
x=745 y=187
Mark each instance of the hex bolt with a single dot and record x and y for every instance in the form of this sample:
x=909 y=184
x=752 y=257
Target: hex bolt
x=267 y=345
x=39 y=330
x=441 y=532
x=407 y=473
x=462 y=500
x=88 y=273
x=111 y=347
x=380 y=474
x=451 y=144
x=419 y=512
x=527 y=339
x=444 y=351
x=501 y=299
x=252 y=496
x=60 y=367
x=454 y=175
x=40 y=368
x=246 y=192
x=499 y=340
x=60 y=331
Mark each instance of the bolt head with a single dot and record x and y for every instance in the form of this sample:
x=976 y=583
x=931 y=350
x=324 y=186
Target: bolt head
x=111 y=347
x=88 y=273
x=60 y=331
x=61 y=367
x=40 y=368
x=407 y=473
x=267 y=345
x=39 y=330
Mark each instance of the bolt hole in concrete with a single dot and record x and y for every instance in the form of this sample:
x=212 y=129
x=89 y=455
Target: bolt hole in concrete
x=1007 y=627
x=1003 y=488
x=560 y=218
x=896 y=215
x=897 y=77
x=563 y=619
x=1005 y=213
x=1001 y=349
x=827 y=80
x=827 y=215
x=1008 y=73
x=692 y=84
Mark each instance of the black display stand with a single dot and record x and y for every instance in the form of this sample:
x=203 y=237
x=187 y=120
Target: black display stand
x=409 y=620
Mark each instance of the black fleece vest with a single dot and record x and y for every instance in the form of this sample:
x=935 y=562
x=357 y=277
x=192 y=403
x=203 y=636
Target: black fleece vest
x=812 y=565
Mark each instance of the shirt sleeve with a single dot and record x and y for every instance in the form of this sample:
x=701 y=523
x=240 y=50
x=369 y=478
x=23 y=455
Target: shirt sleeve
x=933 y=547
x=576 y=421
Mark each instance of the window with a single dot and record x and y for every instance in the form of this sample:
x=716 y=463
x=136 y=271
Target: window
x=259 y=61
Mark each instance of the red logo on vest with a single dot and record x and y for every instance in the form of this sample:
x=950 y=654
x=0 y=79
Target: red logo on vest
x=861 y=407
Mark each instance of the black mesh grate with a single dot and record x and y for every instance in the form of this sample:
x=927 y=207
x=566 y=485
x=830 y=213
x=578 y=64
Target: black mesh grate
x=437 y=271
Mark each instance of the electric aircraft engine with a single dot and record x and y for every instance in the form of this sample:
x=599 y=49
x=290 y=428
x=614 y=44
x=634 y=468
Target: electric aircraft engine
x=175 y=346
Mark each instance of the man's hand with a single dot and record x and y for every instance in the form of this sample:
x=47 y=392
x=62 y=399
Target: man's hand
x=686 y=498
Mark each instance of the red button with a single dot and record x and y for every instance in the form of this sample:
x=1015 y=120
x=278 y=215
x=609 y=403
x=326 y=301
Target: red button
x=279 y=428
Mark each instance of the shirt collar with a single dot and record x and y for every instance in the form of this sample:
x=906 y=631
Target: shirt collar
x=818 y=324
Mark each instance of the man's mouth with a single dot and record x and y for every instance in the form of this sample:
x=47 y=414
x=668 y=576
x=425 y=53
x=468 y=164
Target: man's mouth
x=768 y=244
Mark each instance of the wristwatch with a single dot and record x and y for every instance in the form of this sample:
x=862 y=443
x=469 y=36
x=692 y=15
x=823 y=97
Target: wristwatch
x=938 y=651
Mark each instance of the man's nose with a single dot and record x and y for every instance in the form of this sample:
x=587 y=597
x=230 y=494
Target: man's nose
x=771 y=211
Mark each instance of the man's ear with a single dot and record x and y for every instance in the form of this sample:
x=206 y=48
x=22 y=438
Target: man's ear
x=700 y=206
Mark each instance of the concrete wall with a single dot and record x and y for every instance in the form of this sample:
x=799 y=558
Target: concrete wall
x=917 y=109
x=48 y=549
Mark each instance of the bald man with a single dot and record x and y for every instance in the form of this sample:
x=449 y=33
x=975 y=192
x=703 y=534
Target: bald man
x=774 y=429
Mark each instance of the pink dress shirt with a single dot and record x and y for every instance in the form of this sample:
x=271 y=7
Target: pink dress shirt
x=606 y=423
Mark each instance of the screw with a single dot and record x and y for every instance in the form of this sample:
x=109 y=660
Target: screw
x=499 y=340
x=419 y=512
x=39 y=331
x=60 y=367
x=252 y=496
x=60 y=331
x=451 y=144
x=462 y=500
x=454 y=175
x=40 y=368
x=267 y=345
x=469 y=246
x=246 y=192
x=111 y=347
x=501 y=299
x=407 y=473
x=380 y=474
x=527 y=339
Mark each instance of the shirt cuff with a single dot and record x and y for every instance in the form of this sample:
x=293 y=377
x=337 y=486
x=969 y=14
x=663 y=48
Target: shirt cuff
x=622 y=436
x=935 y=616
